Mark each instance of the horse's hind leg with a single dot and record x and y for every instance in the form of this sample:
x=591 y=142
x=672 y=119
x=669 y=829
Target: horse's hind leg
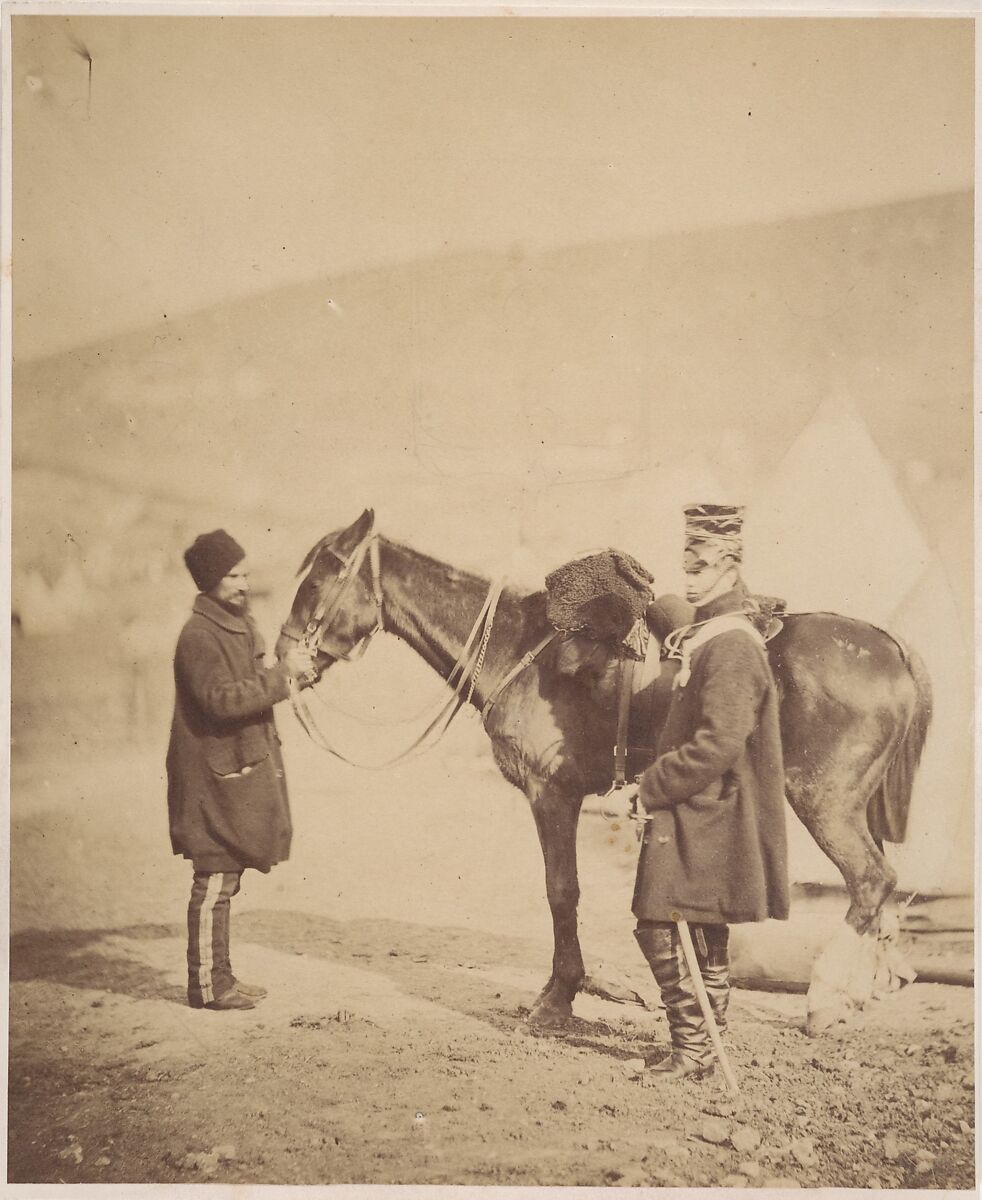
x=556 y=815
x=832 y=805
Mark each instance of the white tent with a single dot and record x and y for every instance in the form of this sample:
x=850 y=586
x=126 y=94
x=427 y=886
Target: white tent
x=831 y=531
x=939 y=851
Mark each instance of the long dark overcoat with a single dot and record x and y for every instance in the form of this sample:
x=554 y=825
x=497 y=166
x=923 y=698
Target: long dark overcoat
x=226 y=788
x=715 y=850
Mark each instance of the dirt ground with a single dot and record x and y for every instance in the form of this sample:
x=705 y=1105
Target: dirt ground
x=402 y=945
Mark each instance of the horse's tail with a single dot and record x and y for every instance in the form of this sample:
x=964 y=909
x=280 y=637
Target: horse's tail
x=889 y=806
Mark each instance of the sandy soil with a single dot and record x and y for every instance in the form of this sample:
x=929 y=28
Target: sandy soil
x=402 y=945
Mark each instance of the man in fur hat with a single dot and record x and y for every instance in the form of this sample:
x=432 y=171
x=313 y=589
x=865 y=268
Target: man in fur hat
x=714 y=846
x=226 y=789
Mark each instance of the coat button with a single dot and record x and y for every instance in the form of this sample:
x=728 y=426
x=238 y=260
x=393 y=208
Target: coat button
x=663 y=839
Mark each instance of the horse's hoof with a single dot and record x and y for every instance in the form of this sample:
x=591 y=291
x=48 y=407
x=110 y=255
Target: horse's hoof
x=550 y=1016
x=822 y=1020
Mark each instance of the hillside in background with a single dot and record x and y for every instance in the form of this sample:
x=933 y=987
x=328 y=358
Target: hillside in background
x=507 y=411
x=462 y=394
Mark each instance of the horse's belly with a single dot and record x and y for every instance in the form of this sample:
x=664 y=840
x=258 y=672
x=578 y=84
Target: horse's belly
x=565 y=742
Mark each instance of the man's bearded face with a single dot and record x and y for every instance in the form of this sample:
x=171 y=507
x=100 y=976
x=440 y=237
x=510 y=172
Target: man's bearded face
x=232 y=592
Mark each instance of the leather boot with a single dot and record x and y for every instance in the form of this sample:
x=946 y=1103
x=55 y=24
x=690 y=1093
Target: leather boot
x=691 y=1048
x=231 y=1000
x=254 y=990
x=712 y=944
x=226 y=1002
x=679 y=1066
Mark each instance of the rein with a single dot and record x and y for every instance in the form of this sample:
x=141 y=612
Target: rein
x=463 y=675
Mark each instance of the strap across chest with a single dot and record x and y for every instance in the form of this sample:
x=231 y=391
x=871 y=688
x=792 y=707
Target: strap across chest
x=682 y=643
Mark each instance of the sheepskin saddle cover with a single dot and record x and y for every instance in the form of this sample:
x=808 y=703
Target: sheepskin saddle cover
x=601 y=596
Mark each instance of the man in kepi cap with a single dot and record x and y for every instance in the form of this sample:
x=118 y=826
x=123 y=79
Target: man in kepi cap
x=226 y=790
x=714 y=846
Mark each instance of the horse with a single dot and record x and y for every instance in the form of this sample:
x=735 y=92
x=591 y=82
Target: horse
x=855 y=706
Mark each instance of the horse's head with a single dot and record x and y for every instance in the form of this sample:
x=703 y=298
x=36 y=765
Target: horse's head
x=338 y=605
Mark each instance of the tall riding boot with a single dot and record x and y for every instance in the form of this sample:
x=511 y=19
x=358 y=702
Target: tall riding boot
x=712 y=944
x=691 y=1048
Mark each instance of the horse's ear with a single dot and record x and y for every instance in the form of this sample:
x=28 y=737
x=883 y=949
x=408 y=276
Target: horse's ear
x=357 y=531
x=347 y=538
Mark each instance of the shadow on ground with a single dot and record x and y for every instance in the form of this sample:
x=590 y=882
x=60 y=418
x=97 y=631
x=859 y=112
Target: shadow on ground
x=434 y=963
x=71 y=957
x=444 y=965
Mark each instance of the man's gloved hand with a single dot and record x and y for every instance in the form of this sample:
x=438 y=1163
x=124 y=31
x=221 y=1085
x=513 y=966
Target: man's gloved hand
x=623 y=802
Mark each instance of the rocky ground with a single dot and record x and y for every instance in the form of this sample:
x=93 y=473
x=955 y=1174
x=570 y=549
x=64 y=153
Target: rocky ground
x=402 y=945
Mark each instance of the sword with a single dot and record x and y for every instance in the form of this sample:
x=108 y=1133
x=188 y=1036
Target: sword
x=638 y=814
x=689 y=950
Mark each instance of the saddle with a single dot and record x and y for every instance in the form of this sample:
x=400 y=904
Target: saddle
x=614 y=643
x=669 y=613
x=630 y=670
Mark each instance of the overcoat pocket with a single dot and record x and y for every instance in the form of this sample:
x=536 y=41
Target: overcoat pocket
x=241 y=811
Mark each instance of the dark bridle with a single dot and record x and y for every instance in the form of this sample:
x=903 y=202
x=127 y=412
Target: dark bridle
x=317 y=636
x=463 y=676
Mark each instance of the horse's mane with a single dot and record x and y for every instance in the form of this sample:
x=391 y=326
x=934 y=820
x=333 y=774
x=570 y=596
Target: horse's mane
x=425 y=559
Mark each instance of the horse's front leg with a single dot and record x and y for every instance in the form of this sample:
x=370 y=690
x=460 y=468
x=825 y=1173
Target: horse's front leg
x=556 y=815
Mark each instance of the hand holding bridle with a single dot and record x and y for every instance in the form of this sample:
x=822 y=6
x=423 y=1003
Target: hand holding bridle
x=300 y=665
x=623 y=803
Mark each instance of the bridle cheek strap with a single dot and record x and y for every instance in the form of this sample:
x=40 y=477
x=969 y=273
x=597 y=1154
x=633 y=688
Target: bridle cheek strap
x=320 y=640
x=316 y=637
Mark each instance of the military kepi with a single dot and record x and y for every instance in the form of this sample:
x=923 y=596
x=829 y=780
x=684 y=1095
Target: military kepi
x=719 y=525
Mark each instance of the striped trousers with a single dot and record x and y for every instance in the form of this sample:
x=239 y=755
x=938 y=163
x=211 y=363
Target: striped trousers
x=209 y=968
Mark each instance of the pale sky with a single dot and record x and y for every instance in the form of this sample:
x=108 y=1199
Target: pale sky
x=205 y=158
